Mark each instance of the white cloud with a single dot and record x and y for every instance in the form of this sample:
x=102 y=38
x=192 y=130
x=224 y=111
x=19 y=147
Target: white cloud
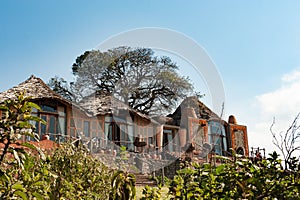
x=291 y=77
x=282 y=103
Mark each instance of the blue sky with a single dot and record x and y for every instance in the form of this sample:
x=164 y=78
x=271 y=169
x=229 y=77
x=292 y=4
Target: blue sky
x=255 y=45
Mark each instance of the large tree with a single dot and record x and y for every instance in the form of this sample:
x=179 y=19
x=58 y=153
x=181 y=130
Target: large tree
x=145 y=82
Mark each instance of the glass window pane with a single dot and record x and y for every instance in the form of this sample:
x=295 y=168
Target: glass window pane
x=72 y=132
x=43 y=126
x=150 y=140
x=94 y=124
x=130 y=138
x=108 y=131
x=61 y=111
x=72 y=123
x=108 y=119
x=170 y=141
x=62 y=125
x=94 y=134
x=48 y=108
x=37 y=128
x=79 y=123
x=34 y=110
x=123 y=132
x=86 y=129
x=52 y=124
x=217 y=137
x=225 y=144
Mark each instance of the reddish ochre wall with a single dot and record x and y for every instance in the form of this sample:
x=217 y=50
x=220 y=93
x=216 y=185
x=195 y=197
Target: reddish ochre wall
x=233 y=128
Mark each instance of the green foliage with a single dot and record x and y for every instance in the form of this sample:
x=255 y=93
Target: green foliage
x=69 y=173
x=159 y=181
x=79 y=174
x=14 y=124
x=123 y=186
x=121 y=158
x=151 y=193
x=16 y=176
x=238 y=178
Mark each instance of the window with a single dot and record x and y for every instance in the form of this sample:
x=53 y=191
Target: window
x=130 y=134
x=217 y=137
x=86 y=129
x=79 y=123
x=55 y=117
x=34 y=123
x=119 y=131
x=48 y=108
x=49 y=128
x=61 y=120
x=72 y=133
x=170 y=142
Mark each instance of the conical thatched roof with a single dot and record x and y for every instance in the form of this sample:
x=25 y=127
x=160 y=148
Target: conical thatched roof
x=201 y=110
x=36 y=89
x=33 y=87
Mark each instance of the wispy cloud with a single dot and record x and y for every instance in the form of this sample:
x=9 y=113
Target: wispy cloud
x=293 y=76
x=283 y=104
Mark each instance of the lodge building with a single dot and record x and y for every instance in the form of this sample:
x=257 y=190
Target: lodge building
x=102 y=118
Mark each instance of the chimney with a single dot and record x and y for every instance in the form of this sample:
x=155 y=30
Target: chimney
x=232 y=120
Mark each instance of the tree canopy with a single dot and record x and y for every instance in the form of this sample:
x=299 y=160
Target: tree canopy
x=136 y=76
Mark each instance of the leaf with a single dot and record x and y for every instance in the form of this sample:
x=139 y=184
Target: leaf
x=32 y=135
x=33 y=105
x=3 y=107
x=37 y=119
x=23 y=124
x=17 y=157
x=18 y=186
x=38 y=196
x=220 y=168
x=21 y=194
x=53 y=175
x=39 y=183
x=28 y=145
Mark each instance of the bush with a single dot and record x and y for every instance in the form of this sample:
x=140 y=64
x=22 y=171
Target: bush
x=79 y=174
x=69 y=173
x=239 y=178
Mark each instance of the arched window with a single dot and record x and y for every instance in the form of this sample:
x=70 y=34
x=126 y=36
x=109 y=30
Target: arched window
x=217 y=137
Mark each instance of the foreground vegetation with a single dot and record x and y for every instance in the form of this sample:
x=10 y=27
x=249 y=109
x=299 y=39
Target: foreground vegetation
x=70 y=172
x=239 y=178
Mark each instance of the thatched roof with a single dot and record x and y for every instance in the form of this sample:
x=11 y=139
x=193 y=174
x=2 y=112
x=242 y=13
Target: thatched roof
x=33 y=87
x=101 y=103
x=37 y=89
x=201 y=110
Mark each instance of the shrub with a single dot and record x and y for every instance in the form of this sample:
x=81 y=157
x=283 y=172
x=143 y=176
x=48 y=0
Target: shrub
x=238 y=178
x=69 y=173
